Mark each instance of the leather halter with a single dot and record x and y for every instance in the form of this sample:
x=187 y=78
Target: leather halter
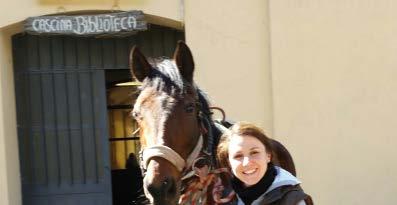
x=170 y=155
x=167 y=153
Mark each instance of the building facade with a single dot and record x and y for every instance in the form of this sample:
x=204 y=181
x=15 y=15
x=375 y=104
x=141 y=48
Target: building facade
x=316 y=75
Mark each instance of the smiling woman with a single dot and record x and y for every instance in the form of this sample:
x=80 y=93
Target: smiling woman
x=247 y=152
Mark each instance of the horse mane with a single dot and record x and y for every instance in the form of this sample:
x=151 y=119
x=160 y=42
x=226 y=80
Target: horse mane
x=215 y=132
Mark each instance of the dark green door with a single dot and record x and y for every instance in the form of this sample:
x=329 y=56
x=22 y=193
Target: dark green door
x=62 y=124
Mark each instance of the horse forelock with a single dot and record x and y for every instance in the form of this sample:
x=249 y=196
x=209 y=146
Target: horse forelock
x=164 y=77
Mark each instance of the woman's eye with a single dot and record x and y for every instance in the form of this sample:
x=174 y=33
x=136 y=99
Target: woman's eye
x=238 y=156
x=254 y=153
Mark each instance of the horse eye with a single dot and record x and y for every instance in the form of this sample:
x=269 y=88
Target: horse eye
x=189 y=108
x=135 y=115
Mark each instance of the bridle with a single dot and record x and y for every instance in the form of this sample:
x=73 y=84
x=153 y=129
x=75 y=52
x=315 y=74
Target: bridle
x=199 y=151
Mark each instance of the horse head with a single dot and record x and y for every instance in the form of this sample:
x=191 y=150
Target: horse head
x=167 y=111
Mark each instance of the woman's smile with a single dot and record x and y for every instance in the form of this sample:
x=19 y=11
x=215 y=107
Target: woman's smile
x=250 y=172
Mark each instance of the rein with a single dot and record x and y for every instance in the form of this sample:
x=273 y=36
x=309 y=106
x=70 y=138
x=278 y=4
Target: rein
x=196 y=192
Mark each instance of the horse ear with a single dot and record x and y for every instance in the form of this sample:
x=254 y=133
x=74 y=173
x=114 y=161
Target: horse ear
x=184 y=60
x=139 y=66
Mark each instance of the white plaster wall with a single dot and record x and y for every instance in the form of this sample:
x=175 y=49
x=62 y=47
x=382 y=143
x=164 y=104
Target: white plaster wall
x=334 y=79
x=229 y=41
x=10 y=188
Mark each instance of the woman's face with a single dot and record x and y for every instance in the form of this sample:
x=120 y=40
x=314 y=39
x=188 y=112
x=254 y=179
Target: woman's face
x=248 y=159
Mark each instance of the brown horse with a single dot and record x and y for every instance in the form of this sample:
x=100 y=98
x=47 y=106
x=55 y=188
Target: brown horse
x=175 y=124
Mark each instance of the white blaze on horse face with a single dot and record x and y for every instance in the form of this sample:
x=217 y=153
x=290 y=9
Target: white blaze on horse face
x=155 y=108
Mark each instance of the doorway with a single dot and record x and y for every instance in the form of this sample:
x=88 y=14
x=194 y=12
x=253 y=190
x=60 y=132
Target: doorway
x=62 y=87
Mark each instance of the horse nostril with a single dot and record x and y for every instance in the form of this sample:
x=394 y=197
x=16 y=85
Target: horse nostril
x=166 y=189
x=154 y=191
x=169 y=186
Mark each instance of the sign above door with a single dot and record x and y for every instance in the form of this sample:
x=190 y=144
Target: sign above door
x=117 y=23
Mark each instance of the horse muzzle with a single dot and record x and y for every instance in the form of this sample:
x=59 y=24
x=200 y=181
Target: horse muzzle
x=160 y=182
x=164 y=193
x=163 y=167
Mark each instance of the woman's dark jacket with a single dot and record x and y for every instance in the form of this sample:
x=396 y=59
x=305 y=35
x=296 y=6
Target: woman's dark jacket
x=284 y=190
